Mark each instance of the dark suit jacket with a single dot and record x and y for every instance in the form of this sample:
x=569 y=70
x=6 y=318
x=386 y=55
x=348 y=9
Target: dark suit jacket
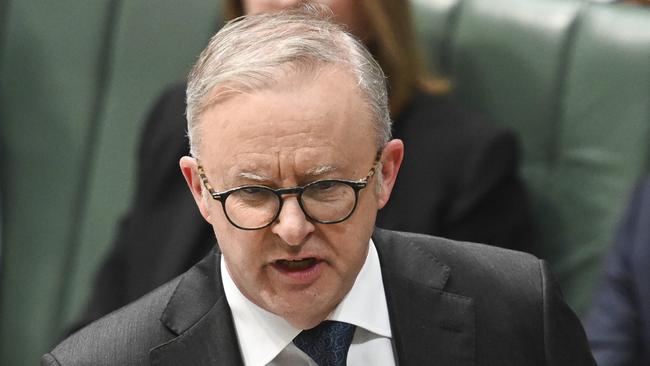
x=459 y=180
x=450 y=304
x=618 y=323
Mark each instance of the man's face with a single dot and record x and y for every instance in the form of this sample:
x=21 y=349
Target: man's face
x=303 y=129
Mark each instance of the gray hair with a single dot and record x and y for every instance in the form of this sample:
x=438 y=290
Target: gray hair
x=249 y=52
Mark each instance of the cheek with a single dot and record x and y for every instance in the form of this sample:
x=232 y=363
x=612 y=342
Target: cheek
x=244 y=254
x=348 y=263
x=239 y=246
x=350 y=244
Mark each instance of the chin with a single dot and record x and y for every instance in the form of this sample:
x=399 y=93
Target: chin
x=306 y=311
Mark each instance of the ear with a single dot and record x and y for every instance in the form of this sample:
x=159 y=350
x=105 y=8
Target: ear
x=391 y=159
x=189 y=168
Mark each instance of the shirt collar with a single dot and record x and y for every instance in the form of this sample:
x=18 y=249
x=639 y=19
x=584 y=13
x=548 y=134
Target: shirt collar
x=262 y=335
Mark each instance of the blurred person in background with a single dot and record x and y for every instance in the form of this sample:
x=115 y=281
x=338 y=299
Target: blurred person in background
x=618 y=323
x=459 y=179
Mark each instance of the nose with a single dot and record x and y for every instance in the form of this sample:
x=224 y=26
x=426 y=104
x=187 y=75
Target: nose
x=292 y=224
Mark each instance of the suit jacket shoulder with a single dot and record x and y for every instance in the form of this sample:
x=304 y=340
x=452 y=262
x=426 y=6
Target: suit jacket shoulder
x=184 y=322
x=490 y=305
x=123 y=337
x=468 y=268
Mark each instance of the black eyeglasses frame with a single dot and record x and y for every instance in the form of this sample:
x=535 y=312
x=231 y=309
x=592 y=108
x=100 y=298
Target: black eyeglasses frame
x=356 y=185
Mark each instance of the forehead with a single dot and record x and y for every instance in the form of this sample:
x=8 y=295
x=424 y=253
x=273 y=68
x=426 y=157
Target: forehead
x=301 y=122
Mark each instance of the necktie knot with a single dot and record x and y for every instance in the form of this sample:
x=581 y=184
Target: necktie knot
x=327 y=343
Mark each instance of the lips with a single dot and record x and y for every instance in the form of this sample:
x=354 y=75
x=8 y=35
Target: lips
x=299 y=271
x=296 y=264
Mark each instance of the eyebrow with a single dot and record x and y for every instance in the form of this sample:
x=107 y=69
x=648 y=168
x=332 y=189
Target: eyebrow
x=253 y=176
x=259 y=178
x=320 y=170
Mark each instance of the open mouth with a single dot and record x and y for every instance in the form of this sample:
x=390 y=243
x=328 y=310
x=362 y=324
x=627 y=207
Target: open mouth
x=296 y=265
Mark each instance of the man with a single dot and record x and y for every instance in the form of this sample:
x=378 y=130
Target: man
x=618 y=323
x=291 y=159
x=470 y=167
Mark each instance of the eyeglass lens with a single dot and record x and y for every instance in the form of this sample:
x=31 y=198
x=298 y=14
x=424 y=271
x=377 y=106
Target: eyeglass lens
x=323 y=201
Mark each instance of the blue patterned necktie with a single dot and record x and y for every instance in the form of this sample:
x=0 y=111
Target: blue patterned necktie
x=327 y=343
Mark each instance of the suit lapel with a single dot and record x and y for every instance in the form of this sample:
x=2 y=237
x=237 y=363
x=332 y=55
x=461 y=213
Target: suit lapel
x=430 y=326
x=199 y=314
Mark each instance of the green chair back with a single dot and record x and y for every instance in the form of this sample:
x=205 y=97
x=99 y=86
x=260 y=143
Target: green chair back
x=572 y=78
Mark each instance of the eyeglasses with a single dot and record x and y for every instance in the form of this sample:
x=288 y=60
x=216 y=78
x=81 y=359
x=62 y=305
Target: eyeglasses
x=253 y=207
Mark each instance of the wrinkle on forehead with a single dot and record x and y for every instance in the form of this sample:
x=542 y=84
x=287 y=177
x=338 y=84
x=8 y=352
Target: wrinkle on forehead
x=279 y=168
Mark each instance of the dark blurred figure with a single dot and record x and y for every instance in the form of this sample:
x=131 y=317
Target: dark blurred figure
x=618 y=324
x=459 y=178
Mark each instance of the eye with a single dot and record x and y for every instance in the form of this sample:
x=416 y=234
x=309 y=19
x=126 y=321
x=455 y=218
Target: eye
x=251 y=195
x=252 y=190
x=323 y=186
x=326 y=191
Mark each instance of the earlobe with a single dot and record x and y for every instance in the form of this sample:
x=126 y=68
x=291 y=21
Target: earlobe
x=189 y=168
x=391 y=161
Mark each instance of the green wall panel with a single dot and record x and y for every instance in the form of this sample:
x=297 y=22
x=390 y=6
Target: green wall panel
x=47 y=91
x=155 y=43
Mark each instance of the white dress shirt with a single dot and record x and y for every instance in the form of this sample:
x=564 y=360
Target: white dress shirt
x=266 y=339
